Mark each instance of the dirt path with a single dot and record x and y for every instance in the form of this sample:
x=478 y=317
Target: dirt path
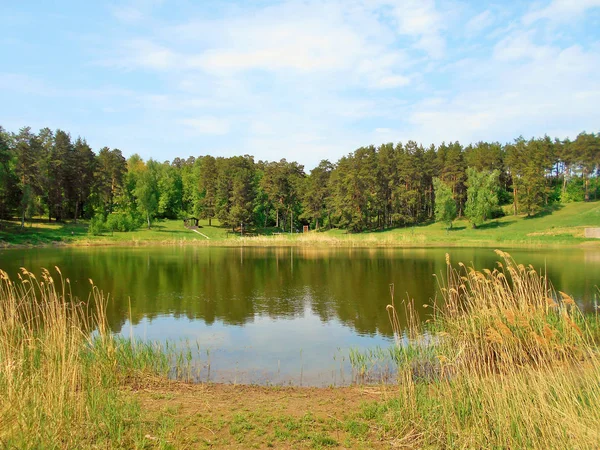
x=227 y=416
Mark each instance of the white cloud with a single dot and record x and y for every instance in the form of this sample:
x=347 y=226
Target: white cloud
x=303 y=45
x=479 y=23
x=422 y=20
x=309 y=37
x=141 y=54
x=152 y=56
x=560 y=11
x=127 y=14
x=525 y=89
x=24 y=84
x=207 y=125
x=313 y=79
x=519 y=46
x=393 y=81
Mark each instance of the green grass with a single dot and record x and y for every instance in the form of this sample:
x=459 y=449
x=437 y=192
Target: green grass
x=563 y=225
x=61 y=384
x=507 y=362
x=517 y=366
x=162 y=232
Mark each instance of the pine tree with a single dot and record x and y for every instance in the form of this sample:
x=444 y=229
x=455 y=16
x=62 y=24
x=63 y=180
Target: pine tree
x=208 y=186
x=315 y=192
x=27 y=149
x=9 y=191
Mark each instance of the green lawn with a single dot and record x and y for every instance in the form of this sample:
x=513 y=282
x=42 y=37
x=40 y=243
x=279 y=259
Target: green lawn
x=163 y=231
x=564 y=225
x=561 y=226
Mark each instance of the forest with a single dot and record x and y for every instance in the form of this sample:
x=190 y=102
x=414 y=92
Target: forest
x=52 y=175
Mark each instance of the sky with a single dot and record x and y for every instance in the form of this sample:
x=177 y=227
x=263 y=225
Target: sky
x=302 y=80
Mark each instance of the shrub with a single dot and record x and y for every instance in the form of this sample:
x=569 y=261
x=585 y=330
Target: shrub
x=97 y=225
x=122 y=221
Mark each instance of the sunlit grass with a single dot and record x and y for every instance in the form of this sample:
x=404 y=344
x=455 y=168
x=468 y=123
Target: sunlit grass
x=562 y=226
x=61 y=370
x=515 y=366
x=505 y=362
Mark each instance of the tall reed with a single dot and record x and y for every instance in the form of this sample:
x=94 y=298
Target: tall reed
x=60 y=368
x=516 y=364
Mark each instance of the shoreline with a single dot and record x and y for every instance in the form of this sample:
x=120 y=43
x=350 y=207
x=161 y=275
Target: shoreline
x=563 y=228
x=277 y=242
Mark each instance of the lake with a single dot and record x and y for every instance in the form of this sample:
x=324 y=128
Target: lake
x=276 y=315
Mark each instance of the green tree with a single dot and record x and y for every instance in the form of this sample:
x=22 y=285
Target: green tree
x=586 y=150
x=59 y=160
x=111 y=168
x=281 y=181
x=528 y=162
x=315 y=192
x=236 y=191
x=170 y=190
x=482 y=195
x=452 y=166
x=27 y=151
x=445 y=205
x=190 y=195
x=146 y=190
x=9 y=191
x=208 y=183
x=84 y=167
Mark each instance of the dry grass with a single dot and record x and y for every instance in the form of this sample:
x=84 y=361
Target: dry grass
x=516 y=367
x=59 y=381
x=506 y=362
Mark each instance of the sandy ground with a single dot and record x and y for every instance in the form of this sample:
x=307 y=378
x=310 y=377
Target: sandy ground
x=228 y=416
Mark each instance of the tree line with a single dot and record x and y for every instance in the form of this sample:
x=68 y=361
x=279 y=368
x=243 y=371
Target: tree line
x=375 y=187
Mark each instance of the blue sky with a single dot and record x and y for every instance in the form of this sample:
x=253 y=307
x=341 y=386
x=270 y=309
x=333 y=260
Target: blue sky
x=302 y=80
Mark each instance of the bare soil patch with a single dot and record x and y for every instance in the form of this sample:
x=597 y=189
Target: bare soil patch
x=228 y=416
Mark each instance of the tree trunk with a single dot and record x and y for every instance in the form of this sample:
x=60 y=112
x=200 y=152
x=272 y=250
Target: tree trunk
x=209 y=221
x=148 y=218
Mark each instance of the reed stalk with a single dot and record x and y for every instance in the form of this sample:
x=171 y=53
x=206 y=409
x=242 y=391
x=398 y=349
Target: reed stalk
x=61 y=368
x=516 y=366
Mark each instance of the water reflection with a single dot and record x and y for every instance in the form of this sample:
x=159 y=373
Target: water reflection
x=261 y=309
x=236 y=285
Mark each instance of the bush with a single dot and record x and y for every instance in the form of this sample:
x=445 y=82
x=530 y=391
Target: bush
x=122 y=221
x=97 y=225
x=575 y=191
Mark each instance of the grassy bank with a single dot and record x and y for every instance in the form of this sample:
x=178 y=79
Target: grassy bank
x=60 y=387
x=563 y=226
x=505 y=362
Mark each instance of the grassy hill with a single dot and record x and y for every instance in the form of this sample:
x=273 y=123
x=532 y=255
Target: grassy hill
x=563 y=225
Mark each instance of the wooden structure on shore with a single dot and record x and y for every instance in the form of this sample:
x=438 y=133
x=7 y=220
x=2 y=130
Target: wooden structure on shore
x=191 y=222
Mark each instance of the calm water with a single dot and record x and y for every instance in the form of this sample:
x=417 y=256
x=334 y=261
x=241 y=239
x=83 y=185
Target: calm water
x=275 y=315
